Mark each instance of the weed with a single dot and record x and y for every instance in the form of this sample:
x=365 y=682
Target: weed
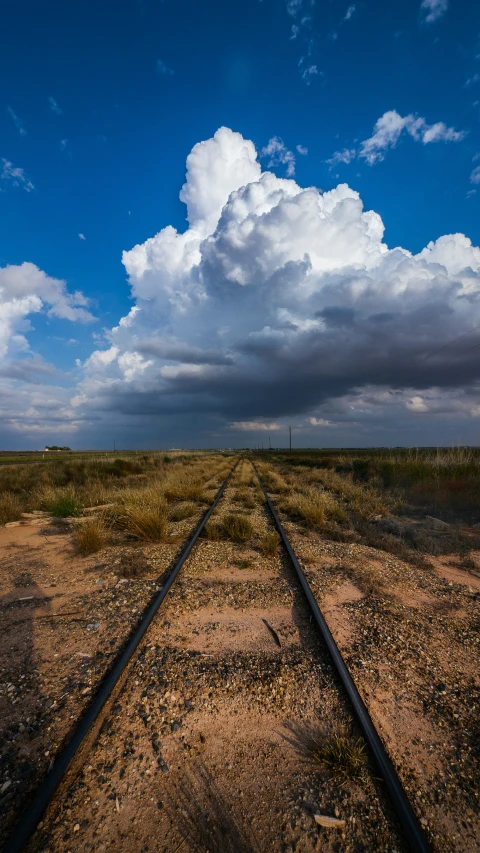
x=65 y=506
x=144 y=522
x=239 y=528
x=213 y=531
x=269 y=543
x=309 y=507
x=10 y=507
x=245 y=497
x=243 y=563
x=185 y=509
x=343 y=756
x=90 y=536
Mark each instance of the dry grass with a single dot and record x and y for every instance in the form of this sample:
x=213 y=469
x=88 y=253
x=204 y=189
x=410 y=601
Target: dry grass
x=238 y=528
x=182 y=489
x=310 y=507
x=213 y=531
x=141 y=513
x=245 y=497
x=10 y=507
x=269 y=543
x=185 y=509
x=342 y=756
x=90 y=536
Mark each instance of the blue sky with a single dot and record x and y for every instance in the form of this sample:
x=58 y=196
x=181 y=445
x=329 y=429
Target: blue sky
x=102 y=103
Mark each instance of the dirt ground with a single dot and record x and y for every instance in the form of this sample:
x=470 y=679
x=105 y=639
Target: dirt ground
x=410 y=637
x=64 y=617
x=208 y=745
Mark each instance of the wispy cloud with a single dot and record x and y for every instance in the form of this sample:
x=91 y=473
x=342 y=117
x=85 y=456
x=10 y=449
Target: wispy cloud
x=386 y=133
x=15 y=176
x=279 y=154
x=308 y=71
x=163 y=68
x=63 y=144
x=17 y=122
x=470 y=81
x=302 y=150
x=350 y=11
x=53 y=104
x=432 y=10
x=475 y=176
x=345 y=156
x=82 y=236
x=390 y=126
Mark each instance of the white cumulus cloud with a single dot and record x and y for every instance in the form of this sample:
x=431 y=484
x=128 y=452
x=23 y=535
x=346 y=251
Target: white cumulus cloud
x=281 y=302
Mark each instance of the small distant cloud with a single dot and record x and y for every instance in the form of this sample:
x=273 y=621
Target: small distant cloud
x=17 y=122
x=433 y=9
x=475 y=176
x=308 y=71
x=320 y=422
x=82 y=236
x=253 y=426
x=15 y=176
x=350 y=11
x=163 y=68
x=345 y=156
x=470 y=193
x=279 y=154
x=302 y=150
x=475 y=78
x=53 y=104
x=295 y=32
x=63 y=144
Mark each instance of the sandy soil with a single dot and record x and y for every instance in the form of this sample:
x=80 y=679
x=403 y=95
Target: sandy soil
x=410 y=637
x=207 y=745
x=64 y=618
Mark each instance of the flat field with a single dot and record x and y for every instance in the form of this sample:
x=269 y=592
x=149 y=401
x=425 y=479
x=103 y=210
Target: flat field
x=230 y=731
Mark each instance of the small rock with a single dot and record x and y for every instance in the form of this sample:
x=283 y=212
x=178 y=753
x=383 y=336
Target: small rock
x=436 y=523
x=329 y=822
x=5 y=786
x=76 y=828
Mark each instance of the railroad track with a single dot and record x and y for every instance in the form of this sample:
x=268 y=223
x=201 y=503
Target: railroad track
x=243 y=642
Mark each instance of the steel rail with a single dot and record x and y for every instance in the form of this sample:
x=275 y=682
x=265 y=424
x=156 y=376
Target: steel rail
x=407 y=818
x=44 y=795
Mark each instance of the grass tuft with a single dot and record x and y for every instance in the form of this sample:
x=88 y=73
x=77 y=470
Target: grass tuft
x=238 y=528
x=182 y=510
x=245 y=497
x=342 y=756
x=60 y=503
x=90 y=536
x=269 y=543
x=10 y=507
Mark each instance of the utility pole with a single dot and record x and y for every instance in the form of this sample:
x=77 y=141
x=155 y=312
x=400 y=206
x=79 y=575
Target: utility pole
x=114 y=445
x=290 y=434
